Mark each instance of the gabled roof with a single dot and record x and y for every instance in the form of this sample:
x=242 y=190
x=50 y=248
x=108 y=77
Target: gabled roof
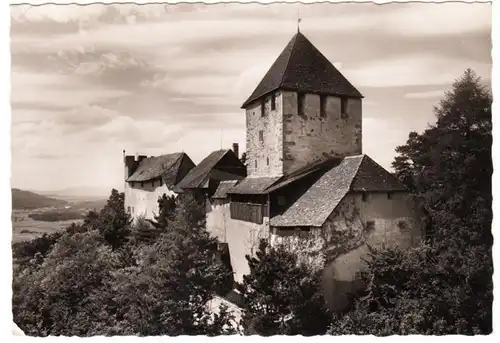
x=223 y=188
x=166 y=167
x=200 y=175
x=354 y=173
x=302 y=67
x=317 y=167
x=253 y=185
x=265 y=185
x=372 y=177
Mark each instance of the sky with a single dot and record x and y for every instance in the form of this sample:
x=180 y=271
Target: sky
x=88 y=82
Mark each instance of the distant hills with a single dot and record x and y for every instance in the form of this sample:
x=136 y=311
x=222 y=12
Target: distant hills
x=26 y=200
x=77 y=193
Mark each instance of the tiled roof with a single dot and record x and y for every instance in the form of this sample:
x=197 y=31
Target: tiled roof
x=317 y=167
x=253 y=185
x=302 y=67
x=354 y=173
x=224 y=187
x=319 y=201
x=165 y=166
x=205 y=170
x=373 y=177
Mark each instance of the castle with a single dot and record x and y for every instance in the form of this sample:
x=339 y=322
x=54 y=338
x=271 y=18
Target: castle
x=305 y=183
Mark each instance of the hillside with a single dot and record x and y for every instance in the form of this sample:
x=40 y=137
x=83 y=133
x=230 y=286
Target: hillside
x=25 y=200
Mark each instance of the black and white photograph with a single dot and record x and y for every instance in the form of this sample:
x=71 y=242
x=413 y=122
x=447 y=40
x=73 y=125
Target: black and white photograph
x=232 y=168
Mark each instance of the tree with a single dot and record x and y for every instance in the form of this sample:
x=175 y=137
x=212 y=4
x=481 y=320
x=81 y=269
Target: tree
x=444 y=286
x=169 y=292
x=113 y=222
x=449 y=166
x=282 y=296
x=419 y=292
x=166 y=205
x=58 y=296
x=87 y=286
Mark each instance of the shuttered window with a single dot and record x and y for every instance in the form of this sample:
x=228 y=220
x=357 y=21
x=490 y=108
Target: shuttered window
x=248 y=212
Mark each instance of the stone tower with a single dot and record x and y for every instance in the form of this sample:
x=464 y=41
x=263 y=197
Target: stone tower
x=302 y=111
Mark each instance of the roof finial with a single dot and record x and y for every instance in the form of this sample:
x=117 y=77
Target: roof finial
x=298 y=20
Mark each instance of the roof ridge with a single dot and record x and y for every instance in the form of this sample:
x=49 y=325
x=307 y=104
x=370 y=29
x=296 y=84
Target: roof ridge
x=356 y=171
x=289 y=58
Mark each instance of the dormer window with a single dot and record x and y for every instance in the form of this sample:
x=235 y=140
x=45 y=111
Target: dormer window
x=300 y=103
x=343 y=107
x=263 y=108
x=322 y=106
x=273 y=102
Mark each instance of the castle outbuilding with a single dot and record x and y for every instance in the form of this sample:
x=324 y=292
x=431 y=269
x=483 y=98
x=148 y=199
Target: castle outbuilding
x=307 y=183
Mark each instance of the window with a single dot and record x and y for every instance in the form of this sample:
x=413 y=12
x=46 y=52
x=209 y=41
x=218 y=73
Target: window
x=153 y=183
x=322 y=106
x=273 y=102
x=281 y=200
x=255 y=163
x=261 y=136
x=132 y=209
x=128 y=209
x=263 y=108
x=370 y=225
x=142 y=184
x=389 y=195
x=267 y=160
x=300 y=103
x=364 y=197
x=161 y=182
x=343 y=106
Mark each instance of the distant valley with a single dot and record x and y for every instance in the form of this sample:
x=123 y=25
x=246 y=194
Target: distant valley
x=34 y=214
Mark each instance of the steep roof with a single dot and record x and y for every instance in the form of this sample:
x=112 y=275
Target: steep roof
x=302 y=67
x=200 y=174
x=168 y=167
x=223 y=188
x=354 y=173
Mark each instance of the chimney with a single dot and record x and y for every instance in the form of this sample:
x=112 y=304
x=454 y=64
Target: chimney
x=236 y=150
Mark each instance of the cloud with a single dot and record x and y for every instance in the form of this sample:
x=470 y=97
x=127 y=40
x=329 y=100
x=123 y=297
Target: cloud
x=425 y=95
x=413 y=70
x=90 y=81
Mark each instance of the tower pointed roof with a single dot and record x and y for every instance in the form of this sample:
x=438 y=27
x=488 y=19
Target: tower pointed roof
x=302 y=67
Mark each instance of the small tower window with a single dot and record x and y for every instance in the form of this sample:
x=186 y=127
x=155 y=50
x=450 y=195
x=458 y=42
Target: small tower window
x=273 y=102
x=322 y=106
x=263 y=108
x=267 y=159
x=261 y=136
x=343 y=106
x=364 y=197
x=300 y=103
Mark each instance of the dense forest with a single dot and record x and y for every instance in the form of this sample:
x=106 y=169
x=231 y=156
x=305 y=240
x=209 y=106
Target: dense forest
x=108 y=276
